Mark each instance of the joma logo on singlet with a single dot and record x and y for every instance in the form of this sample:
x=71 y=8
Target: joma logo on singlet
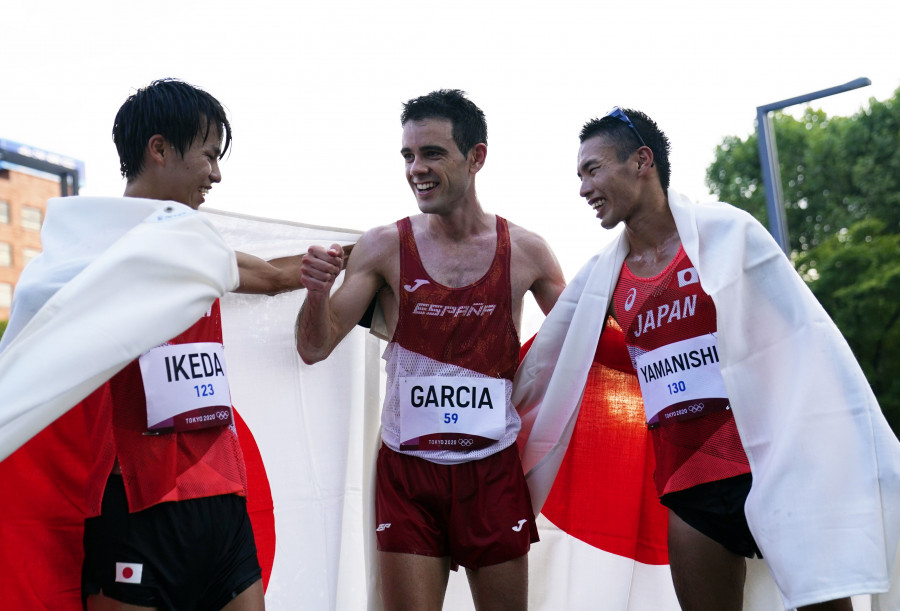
x=664 y=314
x=436 y=309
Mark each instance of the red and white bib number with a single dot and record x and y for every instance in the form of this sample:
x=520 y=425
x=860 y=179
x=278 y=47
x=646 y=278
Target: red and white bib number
x=685 y=376
x=186 y=386
x=451 y=413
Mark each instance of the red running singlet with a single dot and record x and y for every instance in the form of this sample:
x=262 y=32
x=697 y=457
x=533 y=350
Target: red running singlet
x=451 y=361
x=670 y=330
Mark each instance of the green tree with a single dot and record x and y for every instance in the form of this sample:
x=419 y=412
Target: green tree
x=841 y=184
x=855 y=274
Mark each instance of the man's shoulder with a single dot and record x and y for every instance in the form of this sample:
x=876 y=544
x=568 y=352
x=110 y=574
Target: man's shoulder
x=524 y=238
x=382 y=231
x=376 y=245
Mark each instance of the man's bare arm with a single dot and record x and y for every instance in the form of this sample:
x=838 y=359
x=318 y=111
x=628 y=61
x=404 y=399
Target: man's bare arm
x=536 y=268
x=324 y=319
x=550 y=280
x=268 y=277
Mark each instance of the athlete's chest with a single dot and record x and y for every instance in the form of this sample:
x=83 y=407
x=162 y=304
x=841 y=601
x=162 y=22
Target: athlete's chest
x=663 y=308
x=456 y=265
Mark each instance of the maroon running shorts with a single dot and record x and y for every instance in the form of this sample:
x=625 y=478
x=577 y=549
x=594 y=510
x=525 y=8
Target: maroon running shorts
x=478 y=513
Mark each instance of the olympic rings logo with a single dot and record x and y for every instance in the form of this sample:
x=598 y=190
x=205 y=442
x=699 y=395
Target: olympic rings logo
x=696 y=408
x=222 y=415
x=466 y=442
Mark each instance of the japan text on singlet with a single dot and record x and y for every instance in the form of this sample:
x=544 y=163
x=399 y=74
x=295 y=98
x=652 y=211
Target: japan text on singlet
x=670 y=330
x=167 y=418
x=451 y=361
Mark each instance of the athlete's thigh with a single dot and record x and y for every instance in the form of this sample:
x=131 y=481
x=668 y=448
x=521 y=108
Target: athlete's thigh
x=99 y=602
x=500 y=587
x=705 y=574
x=251 y=599
x=413 y=582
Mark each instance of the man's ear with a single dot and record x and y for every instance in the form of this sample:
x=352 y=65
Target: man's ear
x=477 y=156
x=158 y=150
x=645 y=157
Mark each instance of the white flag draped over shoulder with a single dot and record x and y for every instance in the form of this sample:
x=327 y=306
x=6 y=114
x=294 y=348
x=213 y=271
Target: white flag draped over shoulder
x=117 y=276
x=300 y=427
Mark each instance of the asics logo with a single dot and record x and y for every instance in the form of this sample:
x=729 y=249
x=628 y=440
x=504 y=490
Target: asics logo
x=518 y=527
x=632 y=293
x=412 y=287
x=383 y=527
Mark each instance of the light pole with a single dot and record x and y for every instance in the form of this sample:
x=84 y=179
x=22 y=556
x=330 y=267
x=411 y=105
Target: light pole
x=768 y=156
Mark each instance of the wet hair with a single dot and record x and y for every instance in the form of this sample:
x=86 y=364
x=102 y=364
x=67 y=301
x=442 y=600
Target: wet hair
x=469 y=125
x=626 y=141
x=176 y=110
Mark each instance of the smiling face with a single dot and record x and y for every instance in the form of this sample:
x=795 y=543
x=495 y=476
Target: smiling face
x=189 y=177
x=610 y=186
x=439 y=175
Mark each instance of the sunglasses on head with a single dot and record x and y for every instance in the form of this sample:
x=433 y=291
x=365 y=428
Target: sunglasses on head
x=618 y=113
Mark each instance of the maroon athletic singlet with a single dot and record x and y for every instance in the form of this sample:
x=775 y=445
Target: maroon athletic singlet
x=451 y=361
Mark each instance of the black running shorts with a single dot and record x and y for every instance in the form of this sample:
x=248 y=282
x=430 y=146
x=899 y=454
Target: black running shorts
x=716 y=509
x=196 y=554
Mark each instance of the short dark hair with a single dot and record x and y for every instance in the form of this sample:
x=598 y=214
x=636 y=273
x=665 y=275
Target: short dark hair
x=469 y=125
x=627 y=142
x=176 y=110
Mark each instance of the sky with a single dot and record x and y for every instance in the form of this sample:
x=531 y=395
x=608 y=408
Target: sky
x=314 y=89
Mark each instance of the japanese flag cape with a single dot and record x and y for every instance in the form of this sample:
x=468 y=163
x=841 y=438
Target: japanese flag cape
x=93 y=247
x=825 y=502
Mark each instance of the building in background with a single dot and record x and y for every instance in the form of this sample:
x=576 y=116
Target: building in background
x=28 y=178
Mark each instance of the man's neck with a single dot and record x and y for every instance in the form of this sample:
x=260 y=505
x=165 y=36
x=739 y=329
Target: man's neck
x=137 y=188
x=459 y=224
x=652 y=238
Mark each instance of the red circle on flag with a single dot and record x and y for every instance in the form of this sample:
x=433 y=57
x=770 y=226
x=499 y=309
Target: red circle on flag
x=259 y=499
x=604 y=493
x=127 y=572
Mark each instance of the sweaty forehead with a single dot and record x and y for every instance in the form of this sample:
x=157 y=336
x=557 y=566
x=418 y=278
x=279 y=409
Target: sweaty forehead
x=595 y=148
x=427 y=132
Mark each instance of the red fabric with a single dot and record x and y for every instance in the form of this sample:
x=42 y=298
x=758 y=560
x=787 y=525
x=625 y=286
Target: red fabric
x=43 y=507
x=658 y=311
x=604 y=493
x=173 y=466
x=259 y=499
x=470 y=326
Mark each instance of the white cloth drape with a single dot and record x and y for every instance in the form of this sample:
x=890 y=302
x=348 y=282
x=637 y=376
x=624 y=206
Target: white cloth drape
x=117 y=276
x=825 y=503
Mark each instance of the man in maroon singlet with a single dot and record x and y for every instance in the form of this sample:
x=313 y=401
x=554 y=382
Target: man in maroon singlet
x=702 y=472
x=450 y=282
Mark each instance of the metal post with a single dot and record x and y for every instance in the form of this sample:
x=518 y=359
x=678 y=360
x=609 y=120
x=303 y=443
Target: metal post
x=768 y=157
